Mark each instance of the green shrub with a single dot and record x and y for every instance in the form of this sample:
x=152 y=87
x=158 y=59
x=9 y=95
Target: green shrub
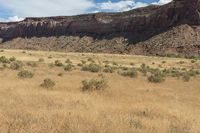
x=68 y=67
x=31 y=64
x=48 y=83
x=58 y=63
x=91 y=60
x=80 y=64
x=94 y=84
x=109 y=69
x=92 y=67
x=51 y=65
x=3 y=59
x=68 y=61
x=12 y=59
x=83 y=62
x=186 y=77
x=25 y=74
x=60 y=74
x=132 y=72
x=157 y=77
x=41 y=60
x=16 y=65
x=50 y=57
x=193 y=61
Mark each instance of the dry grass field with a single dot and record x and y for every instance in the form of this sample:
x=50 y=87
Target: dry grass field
x=128 y=103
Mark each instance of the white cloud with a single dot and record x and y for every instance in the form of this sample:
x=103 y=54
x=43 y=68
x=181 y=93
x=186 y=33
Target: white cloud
x=39 y=8
x=161 y=2
x=15 y=18
x=123 y=5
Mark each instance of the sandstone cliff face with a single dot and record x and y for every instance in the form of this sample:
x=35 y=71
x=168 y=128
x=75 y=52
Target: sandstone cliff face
x=133 y=30
x=151 y=19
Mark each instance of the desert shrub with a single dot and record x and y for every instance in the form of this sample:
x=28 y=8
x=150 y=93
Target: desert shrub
x=109 y=69
x=163 y=62
x=68 y=61
x=92 y=67
x=132 y=72
x=91 y=60
x=24 y=52
x=50 y=57
x=58 y=63
x=80 y=64
x=48 y=83
x=114 y=63
x=12 y=59
x=3 y=59
x=193 y=61
x=157 y=77
x=186 y=77
x=16 y=65
x=1 y=50
x=83 y=61
x=51 y=65
x=31 y=64
x=68 y=67
x=41 y=60
x=94 y=84
x=132 y=64
x=181 y=62
x=25 y=74
x=60 y=74
x=144 y=69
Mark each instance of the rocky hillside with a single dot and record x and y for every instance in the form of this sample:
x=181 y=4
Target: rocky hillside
x=153 y=30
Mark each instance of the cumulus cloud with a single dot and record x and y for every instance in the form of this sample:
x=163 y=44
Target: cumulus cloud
x=124 y=5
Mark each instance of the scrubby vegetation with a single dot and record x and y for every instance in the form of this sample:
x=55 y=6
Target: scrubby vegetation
x=25 y=74
x=94 y=84
x=92 y=67
x=48 y=83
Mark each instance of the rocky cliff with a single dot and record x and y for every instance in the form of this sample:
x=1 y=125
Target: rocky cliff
x=129 y=29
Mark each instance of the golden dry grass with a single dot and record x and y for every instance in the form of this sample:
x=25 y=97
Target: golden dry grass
x=128 y=105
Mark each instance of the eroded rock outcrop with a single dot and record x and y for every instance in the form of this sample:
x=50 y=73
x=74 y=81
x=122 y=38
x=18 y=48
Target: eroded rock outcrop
x=139 y=30
x=150 y=19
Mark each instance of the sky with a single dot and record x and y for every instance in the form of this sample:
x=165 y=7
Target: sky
x=17 y=10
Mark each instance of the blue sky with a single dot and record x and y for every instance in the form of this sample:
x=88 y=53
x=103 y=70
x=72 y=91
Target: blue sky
x=16 y=10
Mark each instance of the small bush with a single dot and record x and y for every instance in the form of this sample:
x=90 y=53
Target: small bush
x=186 y=77
x=60 y=74
x=68 y=67
x=193 y=61
x=92 y=67
x=1 y=50
x=50 y=57
x=31 y=64
x=157 y=78
x=16 y=65
x=132 y=72
x=109 y=69
x=58 y=63
x=41 y=60
x=94 y=84
x=91 y=60
x=25 y=74
x=79 y=64
x=68 y=61
x=48 y=83
x=83 y=62
x=3 y=59
x=12 y=59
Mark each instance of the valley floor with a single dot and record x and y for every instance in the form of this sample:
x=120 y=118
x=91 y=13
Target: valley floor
x=126 y=105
